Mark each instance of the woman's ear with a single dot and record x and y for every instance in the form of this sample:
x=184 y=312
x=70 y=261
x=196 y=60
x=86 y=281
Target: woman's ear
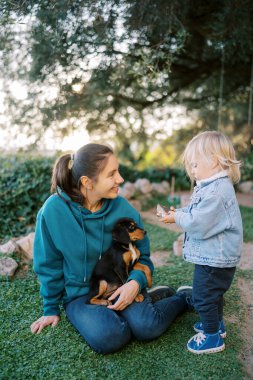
x=86 y=182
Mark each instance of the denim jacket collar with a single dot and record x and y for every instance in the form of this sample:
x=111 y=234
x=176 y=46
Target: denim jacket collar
x=206 y=181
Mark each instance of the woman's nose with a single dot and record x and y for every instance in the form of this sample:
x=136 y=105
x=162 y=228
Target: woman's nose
x=119 y=179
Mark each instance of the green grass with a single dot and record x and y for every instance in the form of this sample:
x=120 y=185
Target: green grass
x=60 y=353
x=247 y=223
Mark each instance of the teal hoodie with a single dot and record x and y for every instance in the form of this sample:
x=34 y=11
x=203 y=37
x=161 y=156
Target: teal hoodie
x=69 y=240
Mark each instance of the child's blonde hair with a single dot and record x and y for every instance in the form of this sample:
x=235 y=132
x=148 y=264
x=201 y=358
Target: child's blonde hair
x=213 y=145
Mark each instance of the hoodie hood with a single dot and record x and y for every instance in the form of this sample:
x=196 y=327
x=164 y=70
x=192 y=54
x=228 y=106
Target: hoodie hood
x=78 y=209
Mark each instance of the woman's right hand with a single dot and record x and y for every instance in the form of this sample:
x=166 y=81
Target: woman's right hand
x=42 y=322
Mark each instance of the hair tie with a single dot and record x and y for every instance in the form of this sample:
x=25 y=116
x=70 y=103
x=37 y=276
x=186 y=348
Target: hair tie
x=71 y=161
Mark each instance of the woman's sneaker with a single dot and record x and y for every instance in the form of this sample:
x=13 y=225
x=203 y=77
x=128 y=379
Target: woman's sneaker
x=185 y=292
x=198 y=327
x=160 y=292
x=206 y=343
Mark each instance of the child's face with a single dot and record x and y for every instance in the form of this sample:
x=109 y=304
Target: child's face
x=202 y=169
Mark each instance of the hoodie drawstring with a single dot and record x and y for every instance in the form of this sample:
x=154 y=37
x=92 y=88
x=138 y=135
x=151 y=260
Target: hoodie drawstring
x=102 y=240
x=86 y=245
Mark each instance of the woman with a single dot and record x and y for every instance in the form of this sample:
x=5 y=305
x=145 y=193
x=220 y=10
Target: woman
x=73 y=230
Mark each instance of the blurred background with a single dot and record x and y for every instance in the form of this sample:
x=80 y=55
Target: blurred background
x=143 y=76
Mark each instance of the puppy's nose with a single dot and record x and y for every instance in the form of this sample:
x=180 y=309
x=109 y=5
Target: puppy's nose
x=144 y=232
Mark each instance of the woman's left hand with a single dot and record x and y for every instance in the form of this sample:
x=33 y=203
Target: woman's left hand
x=126 y=293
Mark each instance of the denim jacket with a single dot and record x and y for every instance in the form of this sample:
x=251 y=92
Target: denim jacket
x=212 y=224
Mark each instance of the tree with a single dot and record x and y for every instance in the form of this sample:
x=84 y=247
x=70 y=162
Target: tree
x=114 y=63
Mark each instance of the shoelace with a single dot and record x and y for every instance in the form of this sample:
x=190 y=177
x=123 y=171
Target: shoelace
x=199 y=338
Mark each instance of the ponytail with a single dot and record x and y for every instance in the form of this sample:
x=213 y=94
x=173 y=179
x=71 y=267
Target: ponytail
x=88 y=161
x=62 y=178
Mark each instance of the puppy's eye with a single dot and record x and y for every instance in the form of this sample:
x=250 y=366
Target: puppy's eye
x=131 y=227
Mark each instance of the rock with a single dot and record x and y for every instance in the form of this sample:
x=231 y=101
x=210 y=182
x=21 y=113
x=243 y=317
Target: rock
x=8 y=266
x=166 y=186
x=143 y=185
x=159 y=188
x=25 y=245
x=8 y=247
x=136 y=204
x=246 y=187
x=178 y=245
x=127 y=190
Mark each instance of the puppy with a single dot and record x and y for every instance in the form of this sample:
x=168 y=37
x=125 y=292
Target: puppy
x=112 y=270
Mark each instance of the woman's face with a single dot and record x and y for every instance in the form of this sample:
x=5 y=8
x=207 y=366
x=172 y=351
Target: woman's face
x=108 y=181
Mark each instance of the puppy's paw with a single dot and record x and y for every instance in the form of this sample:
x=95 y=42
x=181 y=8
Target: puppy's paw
x=139 y=298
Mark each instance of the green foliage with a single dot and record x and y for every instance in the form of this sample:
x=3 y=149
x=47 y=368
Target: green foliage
x=131 y=60
x=247 y=168
x=247 y=223
x=157 y=175
x=24 y=186
x=160 y=238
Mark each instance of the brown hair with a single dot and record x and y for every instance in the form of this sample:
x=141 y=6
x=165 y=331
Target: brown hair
x=89 y=160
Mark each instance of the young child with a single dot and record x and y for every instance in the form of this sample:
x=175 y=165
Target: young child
x=213 y=233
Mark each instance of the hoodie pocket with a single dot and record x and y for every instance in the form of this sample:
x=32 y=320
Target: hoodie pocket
x=73 y=280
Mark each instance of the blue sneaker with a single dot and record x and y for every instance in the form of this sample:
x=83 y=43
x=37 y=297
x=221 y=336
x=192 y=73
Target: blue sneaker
x=206 y=343
x=198 y=327
x=186 y=293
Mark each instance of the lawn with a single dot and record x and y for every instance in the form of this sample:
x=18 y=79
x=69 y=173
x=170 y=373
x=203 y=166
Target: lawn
x=60 y=353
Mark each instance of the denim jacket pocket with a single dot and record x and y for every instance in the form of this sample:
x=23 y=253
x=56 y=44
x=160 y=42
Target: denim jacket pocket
x=231 y=211
x=195 y=199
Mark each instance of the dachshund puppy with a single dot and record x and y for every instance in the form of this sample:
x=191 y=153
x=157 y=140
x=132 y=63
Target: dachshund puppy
x=112 y=270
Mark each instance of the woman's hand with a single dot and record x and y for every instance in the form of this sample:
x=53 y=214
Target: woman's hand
x=42 y=322
x=126 y=293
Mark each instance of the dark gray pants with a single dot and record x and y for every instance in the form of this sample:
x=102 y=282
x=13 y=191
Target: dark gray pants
x=209 y=285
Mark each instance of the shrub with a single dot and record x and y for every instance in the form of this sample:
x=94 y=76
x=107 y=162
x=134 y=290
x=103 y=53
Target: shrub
x=157 y=175
x=24 y=186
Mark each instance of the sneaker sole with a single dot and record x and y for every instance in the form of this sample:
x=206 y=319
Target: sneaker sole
x=208 y=351
x=158 y=287
x=223 y=335
x=182 y=288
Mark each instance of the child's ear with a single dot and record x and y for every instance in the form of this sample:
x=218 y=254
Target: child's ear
x=215 y=162
x=86 y=182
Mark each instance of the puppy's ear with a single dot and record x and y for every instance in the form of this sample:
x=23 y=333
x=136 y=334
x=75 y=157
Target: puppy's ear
x=121 y=234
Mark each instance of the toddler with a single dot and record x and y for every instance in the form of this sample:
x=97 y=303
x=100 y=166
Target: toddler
x=213 y=233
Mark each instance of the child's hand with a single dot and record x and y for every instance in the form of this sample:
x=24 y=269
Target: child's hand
x=169 y=218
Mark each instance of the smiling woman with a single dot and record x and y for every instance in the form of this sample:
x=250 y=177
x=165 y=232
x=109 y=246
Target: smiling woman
x=73 y=231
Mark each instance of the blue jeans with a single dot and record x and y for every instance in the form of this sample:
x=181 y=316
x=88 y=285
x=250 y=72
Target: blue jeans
x=106 y=330
x=209 y=285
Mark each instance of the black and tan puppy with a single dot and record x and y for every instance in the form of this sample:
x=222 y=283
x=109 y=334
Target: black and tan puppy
x=113 y=269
